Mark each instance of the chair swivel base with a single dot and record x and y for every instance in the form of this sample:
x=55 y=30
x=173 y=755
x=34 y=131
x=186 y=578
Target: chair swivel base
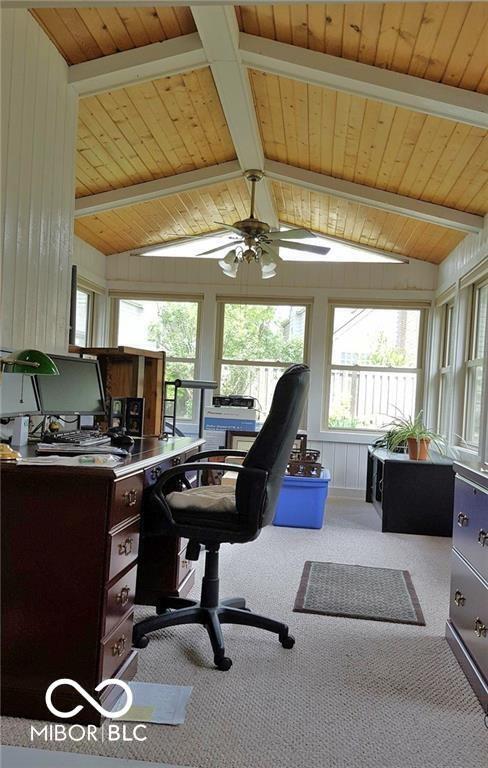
x=174 y=611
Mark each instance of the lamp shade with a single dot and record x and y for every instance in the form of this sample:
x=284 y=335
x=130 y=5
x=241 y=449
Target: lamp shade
x=31 y=362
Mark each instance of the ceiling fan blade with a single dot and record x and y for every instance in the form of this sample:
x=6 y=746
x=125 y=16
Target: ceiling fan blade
x=228 y=226
x=318 y=249
x=223 y=247
x=272 y=251
x=290 y=234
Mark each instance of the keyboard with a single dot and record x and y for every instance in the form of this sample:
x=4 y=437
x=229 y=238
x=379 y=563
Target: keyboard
x=76 y=437
x=70 y=449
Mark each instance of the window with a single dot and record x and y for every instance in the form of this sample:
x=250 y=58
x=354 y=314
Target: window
x=445 y=369
x=84 y=310
x=374 y=366
x=258 y=341
x=475 y=365
x=166 y=325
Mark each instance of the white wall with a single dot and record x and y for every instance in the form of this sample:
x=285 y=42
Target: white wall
x=92 y=267
x=344 y=454
x=37 y=187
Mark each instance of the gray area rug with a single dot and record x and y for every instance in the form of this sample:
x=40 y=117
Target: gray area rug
x=358 y=592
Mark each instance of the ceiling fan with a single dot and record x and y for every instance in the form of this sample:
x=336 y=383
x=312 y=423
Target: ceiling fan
x=257 y=243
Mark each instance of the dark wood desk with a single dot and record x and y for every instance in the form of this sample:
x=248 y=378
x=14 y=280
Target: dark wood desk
x=71 y=537
x=411 y=496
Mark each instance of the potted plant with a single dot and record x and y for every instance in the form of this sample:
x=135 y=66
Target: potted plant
x=417 y=436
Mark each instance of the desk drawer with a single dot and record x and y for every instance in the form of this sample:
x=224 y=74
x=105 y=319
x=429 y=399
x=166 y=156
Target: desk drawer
x=470 y=529
x=124 y=547
x=469 y=610
x=120 y=599
x=127 y=499
x=117 y=647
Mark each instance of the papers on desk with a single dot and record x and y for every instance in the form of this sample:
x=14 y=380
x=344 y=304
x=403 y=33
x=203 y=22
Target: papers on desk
x=90 y=460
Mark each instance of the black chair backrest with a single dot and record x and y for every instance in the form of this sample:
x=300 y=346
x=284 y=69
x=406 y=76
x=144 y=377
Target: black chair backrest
x=271 y=449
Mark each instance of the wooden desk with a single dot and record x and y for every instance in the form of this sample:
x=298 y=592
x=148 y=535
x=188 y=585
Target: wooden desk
x=70 y=543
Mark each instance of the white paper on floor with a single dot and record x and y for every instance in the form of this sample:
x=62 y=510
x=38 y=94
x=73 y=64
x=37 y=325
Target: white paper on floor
x=154 y=703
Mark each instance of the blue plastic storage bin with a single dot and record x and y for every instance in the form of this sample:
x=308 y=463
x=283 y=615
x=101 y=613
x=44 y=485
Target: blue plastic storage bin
x=301 y=503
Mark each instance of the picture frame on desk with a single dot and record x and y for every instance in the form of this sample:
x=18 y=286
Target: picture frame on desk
x=239 y=440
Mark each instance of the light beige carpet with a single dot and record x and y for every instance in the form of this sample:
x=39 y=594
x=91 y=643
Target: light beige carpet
x=361 y=694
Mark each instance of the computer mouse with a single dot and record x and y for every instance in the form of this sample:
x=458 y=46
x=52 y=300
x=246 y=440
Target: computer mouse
x=121 y=441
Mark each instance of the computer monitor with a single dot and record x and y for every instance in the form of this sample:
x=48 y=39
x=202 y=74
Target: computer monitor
x=18 y=396
x=77 y=390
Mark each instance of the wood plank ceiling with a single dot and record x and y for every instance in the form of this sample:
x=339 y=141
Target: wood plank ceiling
x=175 y=124
x=150 y=130
x=361 y=224
x=144 y=224
x=82 y=34
x=444 y=42
x=372 y=142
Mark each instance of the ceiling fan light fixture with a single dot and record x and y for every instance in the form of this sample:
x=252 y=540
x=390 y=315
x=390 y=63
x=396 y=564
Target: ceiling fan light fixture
x=267 y=272
x=230 y=263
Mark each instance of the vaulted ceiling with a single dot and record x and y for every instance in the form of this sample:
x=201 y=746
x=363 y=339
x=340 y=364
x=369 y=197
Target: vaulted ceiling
x=370 y=120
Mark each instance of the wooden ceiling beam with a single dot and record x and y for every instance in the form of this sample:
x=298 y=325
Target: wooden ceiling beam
x=219 y=33
x=149 y=190
x=316 y=68
x=374 y=198
x=171 y=57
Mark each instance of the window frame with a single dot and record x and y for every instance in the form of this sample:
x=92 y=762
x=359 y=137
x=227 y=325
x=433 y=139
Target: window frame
x=222 y=301
x=446 y=361
x=82 y=287
x=333 y=304
x=471 y=363
x=117 y=297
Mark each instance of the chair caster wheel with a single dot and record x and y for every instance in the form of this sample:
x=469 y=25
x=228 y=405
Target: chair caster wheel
x=288 y=641
x=141 y=642
x=223 y=663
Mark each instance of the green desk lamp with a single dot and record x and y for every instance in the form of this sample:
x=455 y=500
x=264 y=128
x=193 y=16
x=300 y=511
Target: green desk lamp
x=30 y=362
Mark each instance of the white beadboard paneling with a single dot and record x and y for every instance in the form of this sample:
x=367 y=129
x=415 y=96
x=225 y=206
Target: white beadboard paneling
x=417 y=275
x=346 y=463
x=92 y=264
x=38 y=137
x=465 y=257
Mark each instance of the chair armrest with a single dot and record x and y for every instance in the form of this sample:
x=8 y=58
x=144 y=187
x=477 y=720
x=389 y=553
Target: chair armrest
x=181 y=469
x=217 y=452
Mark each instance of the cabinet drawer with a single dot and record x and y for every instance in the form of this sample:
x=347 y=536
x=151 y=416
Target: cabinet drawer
x=124 y=546
x=117 y=647
x=470 y=529
x=126 y=499
x=120 y=599
x=469 y=610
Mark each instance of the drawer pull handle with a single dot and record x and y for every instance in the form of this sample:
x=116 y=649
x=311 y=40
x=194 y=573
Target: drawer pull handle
x=479 y=627
x=462 y=520
x=118 y=648
x=126 y=547
x=483 y=538
x=130 y=497
x=123 y=596
x=459 y=598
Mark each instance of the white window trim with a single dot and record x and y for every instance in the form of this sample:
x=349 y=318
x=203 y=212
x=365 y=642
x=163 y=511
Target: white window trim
x=222 y=301
x=117 y=296
x=342 y=434
x=470 y=363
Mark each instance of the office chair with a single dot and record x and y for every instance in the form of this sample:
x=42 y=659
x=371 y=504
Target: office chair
x=211 y=515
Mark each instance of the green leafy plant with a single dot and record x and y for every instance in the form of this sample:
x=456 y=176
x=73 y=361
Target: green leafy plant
x=404 y=427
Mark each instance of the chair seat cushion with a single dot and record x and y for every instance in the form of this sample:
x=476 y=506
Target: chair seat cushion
x=212 y=498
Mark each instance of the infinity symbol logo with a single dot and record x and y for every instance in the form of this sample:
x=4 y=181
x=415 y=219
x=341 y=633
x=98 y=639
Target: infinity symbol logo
x=95 y=704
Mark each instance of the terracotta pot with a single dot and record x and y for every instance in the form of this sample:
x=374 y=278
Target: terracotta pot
x=418 y=450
